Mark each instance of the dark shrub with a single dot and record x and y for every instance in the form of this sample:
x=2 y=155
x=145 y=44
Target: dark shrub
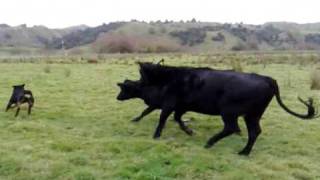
x=191 y=36
x=312 y=38
x=218 y=37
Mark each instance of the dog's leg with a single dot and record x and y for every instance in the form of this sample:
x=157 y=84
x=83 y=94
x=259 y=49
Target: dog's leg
x=30 y=104
x=18 y=110
x=9 y=105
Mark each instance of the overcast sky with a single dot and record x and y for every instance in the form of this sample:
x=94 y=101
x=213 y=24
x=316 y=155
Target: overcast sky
x=64 y=13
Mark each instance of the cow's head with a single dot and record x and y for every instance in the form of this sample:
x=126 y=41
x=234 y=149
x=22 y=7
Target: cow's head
x=129 y=89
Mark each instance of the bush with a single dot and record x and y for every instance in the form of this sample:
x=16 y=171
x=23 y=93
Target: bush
x=236 y=65
x=115 y=43
x=67 y=72
x=239 y=47
x=312 y=38
x=315 y=79
x=218 y=37
x=191 y=36
x=47 y=69
x=158 y=45
x=151 y=31
x=163 y=30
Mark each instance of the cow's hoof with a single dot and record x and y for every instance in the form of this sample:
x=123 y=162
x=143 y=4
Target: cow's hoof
x=189 y=131
x=207 y=146
x=156 y=137
x=135 y=120
x=244 y=153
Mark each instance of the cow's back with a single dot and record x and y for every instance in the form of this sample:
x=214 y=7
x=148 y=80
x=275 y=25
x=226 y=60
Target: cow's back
x=228 y=90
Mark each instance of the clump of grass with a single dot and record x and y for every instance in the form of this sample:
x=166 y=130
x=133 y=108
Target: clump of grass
x=84 y=175
x=67 y=72
x=92 y=61
x=64 y=146
x=315 y=79
x=9 y=166
x=47 y=69
x=78 y=160
x=288 y=80
x=236 y=65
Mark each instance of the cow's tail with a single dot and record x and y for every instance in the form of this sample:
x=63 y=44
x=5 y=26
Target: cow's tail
x=309 y=104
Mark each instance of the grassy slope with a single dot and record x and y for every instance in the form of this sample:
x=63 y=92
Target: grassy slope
x=79 y=131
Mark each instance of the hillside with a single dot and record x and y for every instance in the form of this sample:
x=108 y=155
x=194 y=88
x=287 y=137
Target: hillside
x=35 y=37
x=166 y=36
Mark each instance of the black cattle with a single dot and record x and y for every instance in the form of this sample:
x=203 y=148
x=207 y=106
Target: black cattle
x=132 y=89
x=216 y=92
x=151 y=95
x=20 y=96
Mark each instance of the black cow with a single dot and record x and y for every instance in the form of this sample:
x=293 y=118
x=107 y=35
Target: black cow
x=216 y=92
x=20 y=96
x=151 y=95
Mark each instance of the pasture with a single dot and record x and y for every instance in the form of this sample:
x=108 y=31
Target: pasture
x=78 y=130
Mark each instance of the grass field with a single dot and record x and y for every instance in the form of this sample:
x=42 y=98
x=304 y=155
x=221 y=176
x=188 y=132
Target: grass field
x=78 y=130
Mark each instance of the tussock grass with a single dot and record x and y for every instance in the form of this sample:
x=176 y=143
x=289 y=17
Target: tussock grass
x=79 y=131
x=315 y=79
x=67 y=72
x=236 y=65
x=47 y=69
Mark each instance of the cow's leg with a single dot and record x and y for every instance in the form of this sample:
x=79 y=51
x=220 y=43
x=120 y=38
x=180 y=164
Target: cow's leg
x=163 y=118
x=230 y=126
x=147 y=111
x=177 y=118
x=254 y=130
x=252 y=120
x=237 y=128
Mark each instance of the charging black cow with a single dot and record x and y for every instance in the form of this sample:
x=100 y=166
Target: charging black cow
x=216 y=92
x=20 y=96
x=151 y=95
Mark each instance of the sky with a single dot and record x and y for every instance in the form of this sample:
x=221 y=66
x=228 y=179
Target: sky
x=65 y=13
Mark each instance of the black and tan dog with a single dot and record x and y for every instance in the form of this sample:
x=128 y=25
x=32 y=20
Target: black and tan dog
x=20 y=96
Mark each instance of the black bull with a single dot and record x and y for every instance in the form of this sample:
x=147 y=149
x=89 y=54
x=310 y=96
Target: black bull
x=214 y=92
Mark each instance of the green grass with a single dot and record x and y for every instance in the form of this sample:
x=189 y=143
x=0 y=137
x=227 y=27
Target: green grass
x=78 y=130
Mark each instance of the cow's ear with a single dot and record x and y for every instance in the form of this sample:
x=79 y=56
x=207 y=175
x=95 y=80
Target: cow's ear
x=120 y=84
x=22 y=85
x=161 y=62
x=141 y=65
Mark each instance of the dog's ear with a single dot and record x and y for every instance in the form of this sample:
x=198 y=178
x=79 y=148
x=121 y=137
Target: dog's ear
x=19 y=86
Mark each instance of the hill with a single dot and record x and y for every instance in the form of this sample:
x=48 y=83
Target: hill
x=191 y=36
